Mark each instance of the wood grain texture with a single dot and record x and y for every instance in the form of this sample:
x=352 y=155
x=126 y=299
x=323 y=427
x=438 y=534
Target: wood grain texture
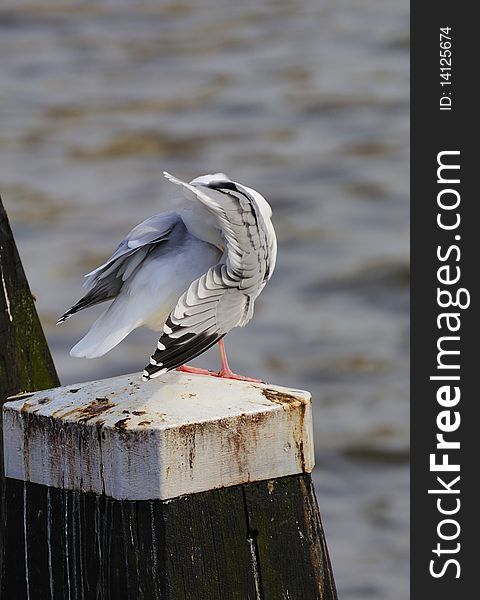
x=25 y=360
x=178 y=434
x=260 y=541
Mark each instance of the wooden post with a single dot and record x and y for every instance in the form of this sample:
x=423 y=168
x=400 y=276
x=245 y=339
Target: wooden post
x=25 y=360
x=184 y=487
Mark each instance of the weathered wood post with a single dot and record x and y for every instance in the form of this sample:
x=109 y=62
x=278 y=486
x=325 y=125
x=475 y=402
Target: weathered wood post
x=184 y=487
x=25 y=360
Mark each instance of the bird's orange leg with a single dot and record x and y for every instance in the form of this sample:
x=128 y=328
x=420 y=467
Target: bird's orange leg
x=225 y=372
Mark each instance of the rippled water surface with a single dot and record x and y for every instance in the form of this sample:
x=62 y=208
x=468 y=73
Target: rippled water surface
x=305 y=101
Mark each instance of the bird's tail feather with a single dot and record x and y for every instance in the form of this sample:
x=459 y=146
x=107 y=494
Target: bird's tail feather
x=108 y=330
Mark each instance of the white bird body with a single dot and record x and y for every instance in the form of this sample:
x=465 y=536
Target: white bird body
x=192 y=274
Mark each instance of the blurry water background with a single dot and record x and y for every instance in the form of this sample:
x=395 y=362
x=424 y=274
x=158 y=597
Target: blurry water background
x=305 y=100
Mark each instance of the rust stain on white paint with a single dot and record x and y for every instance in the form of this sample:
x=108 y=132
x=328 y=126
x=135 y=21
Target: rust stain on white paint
x=176 y=435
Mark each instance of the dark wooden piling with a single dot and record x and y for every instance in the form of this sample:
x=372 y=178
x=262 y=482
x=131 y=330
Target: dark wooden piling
x=25 y=360
x=187 y=487
x=255 y=541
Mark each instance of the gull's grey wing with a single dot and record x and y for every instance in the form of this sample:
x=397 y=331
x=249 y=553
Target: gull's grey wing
x=223 y=297
x=202 y=316
x=105 y=282
x=243 y=216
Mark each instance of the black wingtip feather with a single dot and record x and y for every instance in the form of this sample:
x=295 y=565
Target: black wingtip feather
x=178 y=355
x=65 y=316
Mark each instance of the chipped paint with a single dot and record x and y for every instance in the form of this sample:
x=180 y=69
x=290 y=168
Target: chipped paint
x=162 y=439
x=82 y=414
x=44 y=401
x=121 y=425
x=281 y=398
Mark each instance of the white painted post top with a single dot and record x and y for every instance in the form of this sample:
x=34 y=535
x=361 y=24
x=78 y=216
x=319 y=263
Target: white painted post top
x=177 y=434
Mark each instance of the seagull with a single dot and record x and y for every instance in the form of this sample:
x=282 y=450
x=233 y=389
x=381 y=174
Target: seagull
x=192 y=274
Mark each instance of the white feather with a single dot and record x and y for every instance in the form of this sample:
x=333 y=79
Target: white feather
x=197 y=272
